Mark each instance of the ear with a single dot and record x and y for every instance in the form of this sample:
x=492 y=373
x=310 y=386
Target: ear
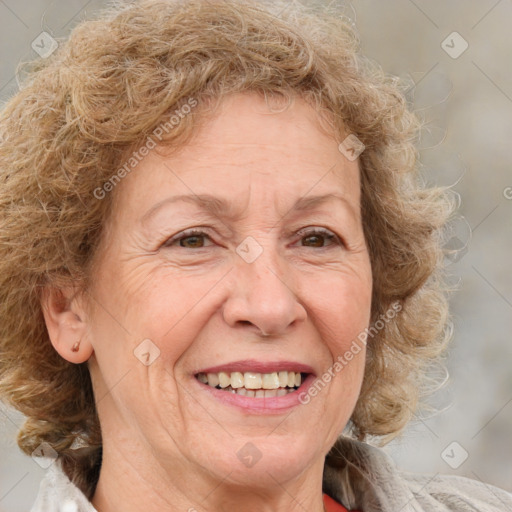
x=66 y=322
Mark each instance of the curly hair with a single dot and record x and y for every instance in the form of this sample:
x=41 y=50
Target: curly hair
x=105 y=90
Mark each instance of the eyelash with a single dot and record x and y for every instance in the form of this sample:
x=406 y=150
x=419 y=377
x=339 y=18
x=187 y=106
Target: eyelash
x=306 y=232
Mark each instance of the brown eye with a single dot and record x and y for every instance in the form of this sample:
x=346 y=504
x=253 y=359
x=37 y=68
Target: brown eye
x=192 y=242
x=189 y=240
x=315 y=240
x=318 y=238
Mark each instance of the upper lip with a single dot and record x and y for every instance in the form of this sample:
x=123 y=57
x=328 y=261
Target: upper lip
x=251 y=365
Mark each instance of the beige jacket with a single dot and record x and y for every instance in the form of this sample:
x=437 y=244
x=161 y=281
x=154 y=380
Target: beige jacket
x=357 y=475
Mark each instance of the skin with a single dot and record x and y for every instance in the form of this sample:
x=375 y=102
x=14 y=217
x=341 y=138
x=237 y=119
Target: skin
x=168 y=445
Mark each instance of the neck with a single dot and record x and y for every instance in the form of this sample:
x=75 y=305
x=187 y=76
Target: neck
x=130 y=482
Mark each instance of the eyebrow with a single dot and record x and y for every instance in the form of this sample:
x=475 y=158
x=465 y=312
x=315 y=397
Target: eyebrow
x=219 y=207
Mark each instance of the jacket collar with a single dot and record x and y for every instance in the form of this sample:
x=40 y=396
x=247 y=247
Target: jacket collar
x=365 y=478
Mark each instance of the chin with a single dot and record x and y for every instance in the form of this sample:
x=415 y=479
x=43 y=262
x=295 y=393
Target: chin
x=261 y=461
x=265 y=474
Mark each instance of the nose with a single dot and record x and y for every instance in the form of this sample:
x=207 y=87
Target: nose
x=262 y=297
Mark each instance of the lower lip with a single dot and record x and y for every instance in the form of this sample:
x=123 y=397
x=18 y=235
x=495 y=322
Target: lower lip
x=269 y=405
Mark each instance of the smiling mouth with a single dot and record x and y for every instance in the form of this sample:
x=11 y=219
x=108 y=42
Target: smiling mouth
x=253 y=384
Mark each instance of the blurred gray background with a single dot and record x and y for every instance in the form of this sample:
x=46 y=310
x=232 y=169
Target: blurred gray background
x=455 y=57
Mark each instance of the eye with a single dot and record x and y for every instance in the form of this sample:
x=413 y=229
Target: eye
x=318 y=236
x=191 y=239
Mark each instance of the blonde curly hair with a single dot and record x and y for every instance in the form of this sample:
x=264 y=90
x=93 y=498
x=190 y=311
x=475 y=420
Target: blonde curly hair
x=106 y=89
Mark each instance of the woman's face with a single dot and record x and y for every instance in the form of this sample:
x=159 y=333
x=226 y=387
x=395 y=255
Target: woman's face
x=248 y=182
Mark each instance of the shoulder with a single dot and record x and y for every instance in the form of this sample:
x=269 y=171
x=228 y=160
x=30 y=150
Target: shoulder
x=457 y=493
x=364 y=477
x=58 y=494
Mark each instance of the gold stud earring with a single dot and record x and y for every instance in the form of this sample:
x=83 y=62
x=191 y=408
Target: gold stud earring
x=76 y=347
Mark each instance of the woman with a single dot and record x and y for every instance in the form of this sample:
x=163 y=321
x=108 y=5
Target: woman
x=216 y=258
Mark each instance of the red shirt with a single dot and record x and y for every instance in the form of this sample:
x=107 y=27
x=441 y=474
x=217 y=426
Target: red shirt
x=333 y=506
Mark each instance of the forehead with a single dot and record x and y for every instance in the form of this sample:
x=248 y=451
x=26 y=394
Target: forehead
x=246 y=150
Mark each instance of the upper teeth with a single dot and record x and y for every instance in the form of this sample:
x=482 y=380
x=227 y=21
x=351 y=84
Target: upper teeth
x=252 y=380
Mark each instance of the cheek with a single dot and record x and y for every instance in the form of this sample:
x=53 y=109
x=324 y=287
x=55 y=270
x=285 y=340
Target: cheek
x=140 y=332
x=340 y=306
x=171 y=309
